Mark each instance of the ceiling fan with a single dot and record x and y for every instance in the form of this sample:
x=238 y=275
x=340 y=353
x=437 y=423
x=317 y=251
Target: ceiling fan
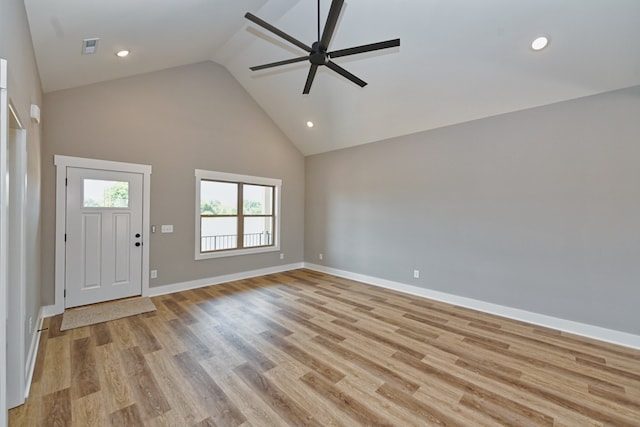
x=318 y=54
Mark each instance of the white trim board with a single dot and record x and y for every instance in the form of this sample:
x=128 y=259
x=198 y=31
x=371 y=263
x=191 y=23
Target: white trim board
x=4 y=211
x=16 y=267
x=61 y=163
x=589 y=331
x=201 y=283
x=50 y=310
x=33 y=351
x=54 y=310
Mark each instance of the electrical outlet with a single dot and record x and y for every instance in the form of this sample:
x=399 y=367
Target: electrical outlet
x=154 y=274
x=281 y=256
x=30 y=323
x=320 y=256
x=416 y=274
x=167 y=228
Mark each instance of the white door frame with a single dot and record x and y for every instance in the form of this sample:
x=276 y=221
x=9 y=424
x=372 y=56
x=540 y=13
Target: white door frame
x=17 y=370
x=62 y=163
x=4 y=134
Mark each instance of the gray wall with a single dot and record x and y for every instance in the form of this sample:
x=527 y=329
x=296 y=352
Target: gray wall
x=176 y=120
x=537 y=210
x=24 y=90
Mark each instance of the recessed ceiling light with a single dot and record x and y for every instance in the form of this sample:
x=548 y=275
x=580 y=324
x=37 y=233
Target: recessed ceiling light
x=122 y=53
x=540 y=43
x=309 y=124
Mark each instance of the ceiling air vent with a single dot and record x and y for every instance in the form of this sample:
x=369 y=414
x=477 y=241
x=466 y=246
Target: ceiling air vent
x=89 y=46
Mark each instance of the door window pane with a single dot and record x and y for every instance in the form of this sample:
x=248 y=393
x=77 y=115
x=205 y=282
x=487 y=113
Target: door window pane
x=100 y=193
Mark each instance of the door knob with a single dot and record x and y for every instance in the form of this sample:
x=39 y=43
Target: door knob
x=138 y=243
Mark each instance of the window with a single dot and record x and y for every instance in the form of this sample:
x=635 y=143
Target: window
x=105 y=194
x=236 y=214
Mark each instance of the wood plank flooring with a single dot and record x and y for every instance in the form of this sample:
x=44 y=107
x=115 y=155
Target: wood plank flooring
x=303 y=348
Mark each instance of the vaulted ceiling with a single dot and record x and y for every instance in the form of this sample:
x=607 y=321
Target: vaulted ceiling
x=459 y=60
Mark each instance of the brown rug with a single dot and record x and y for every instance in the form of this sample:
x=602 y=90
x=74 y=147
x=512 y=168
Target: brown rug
x=98 y=313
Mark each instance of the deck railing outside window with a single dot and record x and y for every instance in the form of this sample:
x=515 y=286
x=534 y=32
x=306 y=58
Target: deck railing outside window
x=230 y=241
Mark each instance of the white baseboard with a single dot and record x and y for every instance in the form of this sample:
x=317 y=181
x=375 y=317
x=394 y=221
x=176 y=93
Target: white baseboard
x=54 y=310
x=51 y=310
x=193 y=284
x=33 y=352
x=590 y=331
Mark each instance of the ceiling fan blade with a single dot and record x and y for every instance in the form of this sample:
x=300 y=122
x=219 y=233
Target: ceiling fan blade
x=310 y=77
x=338 y=69
x=276 y=31
x=365 y=48
x=275 y=64
x=332 y=20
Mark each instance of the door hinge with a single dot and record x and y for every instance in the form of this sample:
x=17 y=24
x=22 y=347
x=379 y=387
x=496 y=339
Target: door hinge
x=66 y=182
x=65 y=293
x=65 y=237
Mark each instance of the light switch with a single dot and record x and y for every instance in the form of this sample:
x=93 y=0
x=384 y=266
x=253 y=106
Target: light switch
x=167 y=228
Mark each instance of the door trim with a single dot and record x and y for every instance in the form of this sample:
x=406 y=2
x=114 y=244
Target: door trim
x=62 y=163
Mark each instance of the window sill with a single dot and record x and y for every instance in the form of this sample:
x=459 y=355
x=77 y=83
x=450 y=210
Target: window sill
x=237 y=252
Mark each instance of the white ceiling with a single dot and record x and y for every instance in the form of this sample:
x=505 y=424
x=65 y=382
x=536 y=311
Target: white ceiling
x=459 y=60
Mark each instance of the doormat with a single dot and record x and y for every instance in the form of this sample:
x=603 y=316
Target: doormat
x=98 y=313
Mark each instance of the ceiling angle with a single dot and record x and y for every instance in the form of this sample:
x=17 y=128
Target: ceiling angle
x=318 y=54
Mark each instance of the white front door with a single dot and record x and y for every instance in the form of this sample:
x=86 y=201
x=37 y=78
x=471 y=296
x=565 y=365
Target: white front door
x=103 y=236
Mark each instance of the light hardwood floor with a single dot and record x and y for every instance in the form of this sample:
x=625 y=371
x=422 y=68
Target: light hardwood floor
x=305 y=348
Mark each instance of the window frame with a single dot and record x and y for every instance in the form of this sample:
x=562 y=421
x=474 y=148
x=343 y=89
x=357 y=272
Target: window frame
x=206 y=175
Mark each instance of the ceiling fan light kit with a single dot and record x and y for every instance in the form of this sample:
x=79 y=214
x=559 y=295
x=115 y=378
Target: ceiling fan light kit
x=318 y=54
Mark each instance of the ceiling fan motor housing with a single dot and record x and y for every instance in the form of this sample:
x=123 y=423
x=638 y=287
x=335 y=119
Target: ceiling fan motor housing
x=318 y=55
